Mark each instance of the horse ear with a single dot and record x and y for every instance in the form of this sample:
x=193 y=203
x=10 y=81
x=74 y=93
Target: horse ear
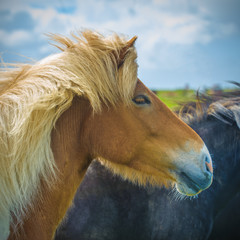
x=123 y=52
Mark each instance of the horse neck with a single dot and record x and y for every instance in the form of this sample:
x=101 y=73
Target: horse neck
x=72 y=162
x=223 y=142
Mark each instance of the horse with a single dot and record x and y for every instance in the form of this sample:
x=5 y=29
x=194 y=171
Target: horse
x=107 y=207
x=226 y=223
x=83 y=103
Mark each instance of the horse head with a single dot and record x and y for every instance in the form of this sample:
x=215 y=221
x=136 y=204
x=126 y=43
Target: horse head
x=144 y=141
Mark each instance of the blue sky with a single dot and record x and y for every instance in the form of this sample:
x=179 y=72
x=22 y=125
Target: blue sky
x=194 y=42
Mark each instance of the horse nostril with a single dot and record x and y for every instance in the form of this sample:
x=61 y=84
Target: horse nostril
x=208 y=163
x=207 y=167
x=207 y=159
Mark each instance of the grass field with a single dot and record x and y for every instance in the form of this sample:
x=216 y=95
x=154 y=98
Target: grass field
x=173 y=98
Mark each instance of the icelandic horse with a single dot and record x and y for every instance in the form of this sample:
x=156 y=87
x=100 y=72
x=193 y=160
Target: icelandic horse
x=106 y=207
x=83 y=103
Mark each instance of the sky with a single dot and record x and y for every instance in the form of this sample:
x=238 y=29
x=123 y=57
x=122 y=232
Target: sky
x=180 y=43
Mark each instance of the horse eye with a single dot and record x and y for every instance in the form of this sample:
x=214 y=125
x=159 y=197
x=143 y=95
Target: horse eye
x=141 y=100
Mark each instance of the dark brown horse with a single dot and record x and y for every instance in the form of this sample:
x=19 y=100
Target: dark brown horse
x=106 y=207
x=70 y=108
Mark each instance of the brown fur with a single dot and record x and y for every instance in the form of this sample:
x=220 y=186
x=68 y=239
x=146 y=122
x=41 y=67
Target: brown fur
x=79 y=109
x=79 y=137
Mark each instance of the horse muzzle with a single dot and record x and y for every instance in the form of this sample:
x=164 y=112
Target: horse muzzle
x=196 y=175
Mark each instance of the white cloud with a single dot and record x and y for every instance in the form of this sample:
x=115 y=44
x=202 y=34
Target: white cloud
x=148 y=18
x=158 y=25
x=168 y=30
x=15 y=38
x=227 y=29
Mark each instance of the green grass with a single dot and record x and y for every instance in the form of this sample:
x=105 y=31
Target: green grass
x=173 y=98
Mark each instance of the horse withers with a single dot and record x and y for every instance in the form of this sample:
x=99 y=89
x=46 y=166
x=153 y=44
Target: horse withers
x=84 y=103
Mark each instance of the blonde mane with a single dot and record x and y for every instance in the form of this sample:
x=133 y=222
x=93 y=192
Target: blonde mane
x=32 y=98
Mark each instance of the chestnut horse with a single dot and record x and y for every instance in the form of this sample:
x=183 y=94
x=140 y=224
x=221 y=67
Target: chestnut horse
x=106 y=207
x=84 y=103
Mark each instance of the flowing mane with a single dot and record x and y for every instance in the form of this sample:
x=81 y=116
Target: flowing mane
x=32 y=98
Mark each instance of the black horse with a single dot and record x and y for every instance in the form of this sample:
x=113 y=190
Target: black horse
x=106 y=208
x=226 y=224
